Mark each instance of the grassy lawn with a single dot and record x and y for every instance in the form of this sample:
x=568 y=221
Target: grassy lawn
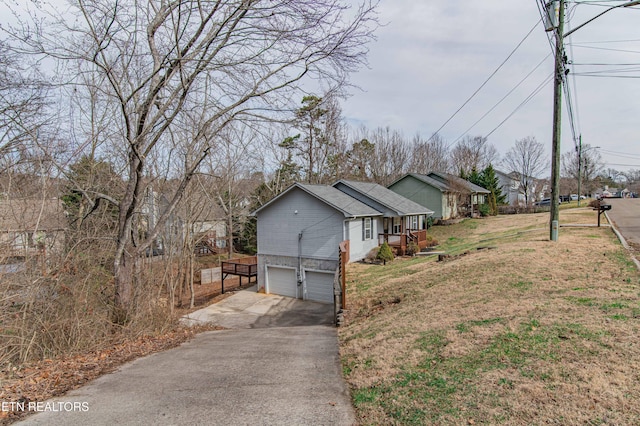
x=524 y=332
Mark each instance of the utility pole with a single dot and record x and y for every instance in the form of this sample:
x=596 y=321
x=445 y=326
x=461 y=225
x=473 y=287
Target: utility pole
x=579 y=168
x=560 y=60
x=557 y=126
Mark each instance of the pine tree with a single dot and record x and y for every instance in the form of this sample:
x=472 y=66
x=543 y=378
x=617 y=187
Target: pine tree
x=490 y=182
x=384 y=253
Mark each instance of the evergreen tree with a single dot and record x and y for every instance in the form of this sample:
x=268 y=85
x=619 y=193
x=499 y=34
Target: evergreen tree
x=384 y=253
x=490 y=182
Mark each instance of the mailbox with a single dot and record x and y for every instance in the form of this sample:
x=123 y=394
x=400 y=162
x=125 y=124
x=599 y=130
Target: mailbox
x=601 y=208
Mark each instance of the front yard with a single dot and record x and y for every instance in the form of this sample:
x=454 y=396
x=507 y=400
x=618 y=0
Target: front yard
x=524 y=331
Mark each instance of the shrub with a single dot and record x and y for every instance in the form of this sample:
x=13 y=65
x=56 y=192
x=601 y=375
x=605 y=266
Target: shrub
x=485 y=210
x=412 y=249
x=384 y=253
x=430 y=222
x=431 y=242
x=372 y=256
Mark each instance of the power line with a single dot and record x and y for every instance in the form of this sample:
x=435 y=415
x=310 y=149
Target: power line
x=531 y=96
x=609 y=76
x=605 y=48
x=484 y=83
x=501 y=100
x=619 y=154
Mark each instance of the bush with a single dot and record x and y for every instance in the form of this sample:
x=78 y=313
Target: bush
x=412 y=249
x=485 y=210
x=372 y=256
x=431 y=242
x=430 y=222
x=384 y=253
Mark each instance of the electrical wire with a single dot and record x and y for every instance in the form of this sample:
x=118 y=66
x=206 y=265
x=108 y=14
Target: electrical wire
x=485 y=82
x=501 y=100
x=531 y=96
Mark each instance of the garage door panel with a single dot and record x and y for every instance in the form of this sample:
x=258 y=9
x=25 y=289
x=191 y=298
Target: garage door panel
x=319 y=286
x=282 y=281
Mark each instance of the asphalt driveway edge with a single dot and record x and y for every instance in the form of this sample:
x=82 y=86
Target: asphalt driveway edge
x=623 y=241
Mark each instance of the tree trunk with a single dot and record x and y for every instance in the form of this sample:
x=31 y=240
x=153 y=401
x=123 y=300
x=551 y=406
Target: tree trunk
x=123 y=277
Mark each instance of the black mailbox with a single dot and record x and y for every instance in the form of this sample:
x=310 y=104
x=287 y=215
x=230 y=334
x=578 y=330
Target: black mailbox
x=601 y=208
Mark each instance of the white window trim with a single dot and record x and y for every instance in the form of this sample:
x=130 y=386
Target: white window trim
x=368 y=228
x=413 y=223
x=396 y=226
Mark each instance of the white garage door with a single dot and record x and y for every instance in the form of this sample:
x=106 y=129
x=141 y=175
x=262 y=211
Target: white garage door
x=319 y=286
x=282 y=281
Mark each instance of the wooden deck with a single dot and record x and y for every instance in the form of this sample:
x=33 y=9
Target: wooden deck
x=401 y=241
x=242 y=267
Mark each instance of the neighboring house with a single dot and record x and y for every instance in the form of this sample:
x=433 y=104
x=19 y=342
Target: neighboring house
x=298 y=236
x=511 y=188
x=608 y=192
x=448 y=195
x=204 y=221
x=404 y=221
x=211 y=231
x=31 y=227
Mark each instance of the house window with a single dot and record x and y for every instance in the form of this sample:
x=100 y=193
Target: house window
x=397 y=225
x=368 y=231
x=413 y=222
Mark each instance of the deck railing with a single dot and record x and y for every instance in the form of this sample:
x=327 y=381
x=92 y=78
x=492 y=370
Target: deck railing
x=401 y=241
x=242 y=267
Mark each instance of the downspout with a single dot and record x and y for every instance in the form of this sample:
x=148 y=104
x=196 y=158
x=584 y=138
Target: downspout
x=300 y=261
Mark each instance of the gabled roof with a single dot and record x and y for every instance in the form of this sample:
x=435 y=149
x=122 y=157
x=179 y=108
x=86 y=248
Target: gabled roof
x=386 y=197
x=446 y=182
x=347 y=205
x=455 y=181
x=443 y=187
x=514 y=175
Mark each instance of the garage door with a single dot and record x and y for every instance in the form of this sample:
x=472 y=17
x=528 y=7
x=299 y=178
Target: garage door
x=319 y=286
x=282 y=281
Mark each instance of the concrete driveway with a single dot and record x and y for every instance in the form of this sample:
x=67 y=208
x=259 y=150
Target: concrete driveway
x=278 y=364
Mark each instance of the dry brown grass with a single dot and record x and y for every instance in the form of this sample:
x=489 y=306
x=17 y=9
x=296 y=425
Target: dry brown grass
x=529 y=332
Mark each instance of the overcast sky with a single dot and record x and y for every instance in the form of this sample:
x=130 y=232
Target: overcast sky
x=431 y=56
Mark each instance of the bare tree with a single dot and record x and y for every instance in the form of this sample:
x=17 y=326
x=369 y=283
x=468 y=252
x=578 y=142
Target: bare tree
x=429 y=155
x=473 y=153
x=391 y=157
x=527 y=159
x=22 y=103
x=239 y=59
x=590 y=168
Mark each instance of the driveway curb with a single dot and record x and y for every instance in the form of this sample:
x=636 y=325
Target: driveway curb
x=623 y=241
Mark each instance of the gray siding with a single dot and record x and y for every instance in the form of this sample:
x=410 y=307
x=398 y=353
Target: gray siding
x=357 y=247
x=320 y=224
x=421 y=193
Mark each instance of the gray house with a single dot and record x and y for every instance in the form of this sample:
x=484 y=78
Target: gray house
x=298 y=236
x=449 y=196
x=403 y=221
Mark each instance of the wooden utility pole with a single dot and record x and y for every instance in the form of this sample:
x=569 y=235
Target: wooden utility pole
x=557 y=126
